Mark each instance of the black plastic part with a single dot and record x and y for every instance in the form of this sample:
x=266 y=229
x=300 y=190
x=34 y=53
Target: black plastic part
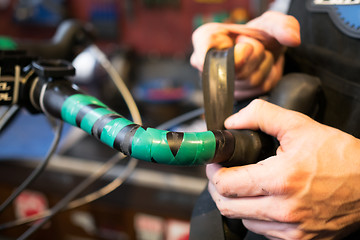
x=53 y=68
x=299 y=92
x=53 y=74
x=55 y=95
x=11 y=58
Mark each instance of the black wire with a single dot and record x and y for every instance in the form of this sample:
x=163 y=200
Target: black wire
x=39 y=169
x=166 y=125
x=10 y=112
x=70 y=206
x=71 y=195
x=65 y=201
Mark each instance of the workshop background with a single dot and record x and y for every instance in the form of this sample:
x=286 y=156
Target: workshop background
x=149 y=43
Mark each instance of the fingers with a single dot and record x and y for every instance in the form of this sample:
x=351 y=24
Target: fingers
x=255 y=197
x=220 y=36
x=204 y=43
x=266 y=208
x=274 y=230
x=274 y=75
x=242 y=53
x=249 y=207
x=253 y=61
x=261 y=179
x=255 y=75
x=271 y=29
x=255 y=33
x=244 y=89
x=284 y=28
x=263 y=70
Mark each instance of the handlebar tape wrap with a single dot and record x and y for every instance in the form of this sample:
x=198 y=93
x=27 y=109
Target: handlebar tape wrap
x=149 y=144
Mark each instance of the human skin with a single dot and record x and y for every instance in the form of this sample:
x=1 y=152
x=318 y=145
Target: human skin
x=308 y=190
x=259 y=49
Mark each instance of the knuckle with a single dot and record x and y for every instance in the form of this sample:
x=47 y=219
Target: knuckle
x=257 y=46
x=257 y=105
x=290 y=182
x=221 y=187
x=290 y=213
x=269 y=58
x=297 y=235
x=285 y=185
x=224 y=186
x=255 y=80
x=205 y=30
x=211 y=28
x=297 y=119
x=285 y=216
x=260 y=48
x=224 y=210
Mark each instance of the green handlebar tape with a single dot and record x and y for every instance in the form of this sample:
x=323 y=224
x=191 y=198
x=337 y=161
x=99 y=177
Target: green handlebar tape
x=149 y=144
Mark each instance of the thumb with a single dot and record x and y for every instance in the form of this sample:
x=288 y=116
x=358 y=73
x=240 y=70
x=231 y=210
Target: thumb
x=284 y=28
x=267 y=117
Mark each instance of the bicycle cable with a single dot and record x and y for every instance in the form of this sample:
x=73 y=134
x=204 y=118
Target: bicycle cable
x=72 y=194
x=38 y=170
x=134 y=112
x=112 y=185
x=7 y=115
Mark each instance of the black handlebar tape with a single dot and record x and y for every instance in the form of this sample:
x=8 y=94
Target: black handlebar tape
x=251 y=147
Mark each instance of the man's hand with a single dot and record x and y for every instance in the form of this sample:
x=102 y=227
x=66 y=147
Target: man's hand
x=259 y=47
x=309 y=190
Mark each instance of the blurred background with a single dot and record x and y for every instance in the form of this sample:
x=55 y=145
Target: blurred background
x=149 y=44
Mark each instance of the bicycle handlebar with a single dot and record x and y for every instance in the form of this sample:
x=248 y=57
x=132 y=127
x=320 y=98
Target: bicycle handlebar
x=48 y=90
x=63 y=100
x=60 y=98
